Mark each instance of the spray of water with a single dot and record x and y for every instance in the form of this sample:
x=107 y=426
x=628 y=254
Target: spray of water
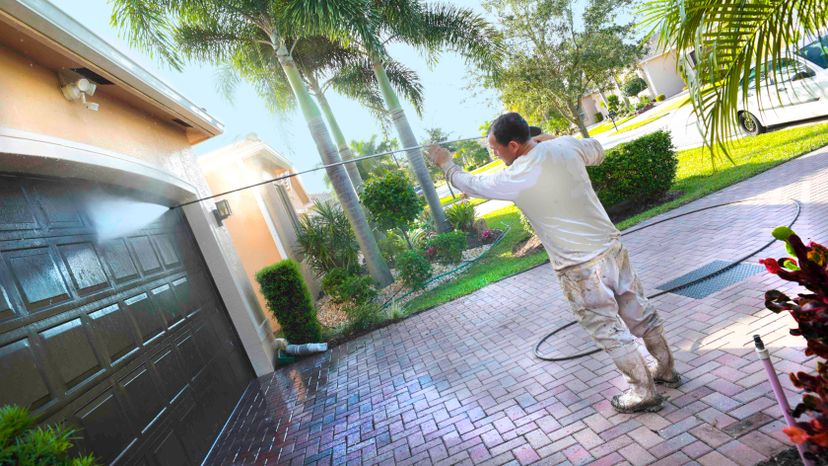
x=114 y=217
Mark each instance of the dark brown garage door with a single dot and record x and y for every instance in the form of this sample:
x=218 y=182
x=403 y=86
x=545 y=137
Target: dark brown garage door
x=125 y=338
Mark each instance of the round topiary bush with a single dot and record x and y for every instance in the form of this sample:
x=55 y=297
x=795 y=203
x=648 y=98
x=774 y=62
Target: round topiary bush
x=289 y=300
x=637 y=171
x=633 y=85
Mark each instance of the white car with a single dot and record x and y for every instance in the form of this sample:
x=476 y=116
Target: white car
x=797 y=91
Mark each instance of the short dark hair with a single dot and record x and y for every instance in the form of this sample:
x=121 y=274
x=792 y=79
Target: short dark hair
x=535 y=131
x=510 y=127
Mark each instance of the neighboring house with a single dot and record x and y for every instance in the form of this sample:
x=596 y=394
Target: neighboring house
x=659 y=70
x=591 y=104
x=263 y=223
x=133 y=321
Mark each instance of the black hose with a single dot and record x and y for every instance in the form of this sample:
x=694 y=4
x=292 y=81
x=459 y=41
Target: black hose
x=676 y=288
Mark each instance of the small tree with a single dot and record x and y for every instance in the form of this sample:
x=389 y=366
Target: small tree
x=392 y=201
x=290 y=302
x=634 y=85
x=22 y=444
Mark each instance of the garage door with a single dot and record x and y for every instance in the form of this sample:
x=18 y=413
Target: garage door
x=124 y=337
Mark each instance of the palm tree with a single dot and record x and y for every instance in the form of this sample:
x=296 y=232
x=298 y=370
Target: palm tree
x=430 y=29
x=721 y=41
x=351 y=75
x=246 y=34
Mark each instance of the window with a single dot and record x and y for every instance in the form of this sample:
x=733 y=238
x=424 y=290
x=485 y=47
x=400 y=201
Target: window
x=816 y=52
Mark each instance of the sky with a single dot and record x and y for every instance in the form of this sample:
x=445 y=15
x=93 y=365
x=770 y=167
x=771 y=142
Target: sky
x=448 y=103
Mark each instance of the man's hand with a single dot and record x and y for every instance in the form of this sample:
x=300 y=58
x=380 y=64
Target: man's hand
x=438 y=155
x=543 y=137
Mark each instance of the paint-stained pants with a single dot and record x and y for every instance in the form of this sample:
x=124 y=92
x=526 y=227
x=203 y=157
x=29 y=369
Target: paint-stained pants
x=608 y=300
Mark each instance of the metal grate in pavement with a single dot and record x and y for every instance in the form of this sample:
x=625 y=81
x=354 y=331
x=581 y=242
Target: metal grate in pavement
x=713 y=284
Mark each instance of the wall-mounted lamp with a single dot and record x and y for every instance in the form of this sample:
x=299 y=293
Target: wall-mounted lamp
x=76 y=87
x=222 y=211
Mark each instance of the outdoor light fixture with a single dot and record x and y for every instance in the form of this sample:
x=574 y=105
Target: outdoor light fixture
x=222 y=211
x=76 y=87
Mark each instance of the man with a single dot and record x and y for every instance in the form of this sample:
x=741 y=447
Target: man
x=548 y=181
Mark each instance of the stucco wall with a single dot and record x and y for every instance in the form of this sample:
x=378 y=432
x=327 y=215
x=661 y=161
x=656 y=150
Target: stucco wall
x=661 y=75
x=248 y=230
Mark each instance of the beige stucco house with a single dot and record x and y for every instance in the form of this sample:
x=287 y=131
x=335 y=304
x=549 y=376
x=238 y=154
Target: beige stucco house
x=264 y=218
x=121 y=313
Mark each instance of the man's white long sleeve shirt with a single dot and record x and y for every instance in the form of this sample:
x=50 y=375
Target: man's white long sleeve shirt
x=551 y=186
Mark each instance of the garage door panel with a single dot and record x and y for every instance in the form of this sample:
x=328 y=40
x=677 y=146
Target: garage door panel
x=85 y=267
x=171 y=372
x=145 y=398
x=112 y=337
x=105 y=429
x=188 y=350
x=115 y=330
x=170 y=451
x=147 y=258
x=15 y=210
x=29 y=387
x=164 y=300
x=151 y=323
x=37 y=277
x=120 y=263
x=60 y=202
x=71 y=353
x=167 y=251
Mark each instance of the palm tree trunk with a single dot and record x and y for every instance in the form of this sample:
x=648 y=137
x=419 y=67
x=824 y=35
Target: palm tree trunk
x=341 y=143
x=376 y=264
x=415 y=155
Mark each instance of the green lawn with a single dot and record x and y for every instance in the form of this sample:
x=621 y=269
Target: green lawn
x=639 y=124
x=695 y=178
x=607 y=125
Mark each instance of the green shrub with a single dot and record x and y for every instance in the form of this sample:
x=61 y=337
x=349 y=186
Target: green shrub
x=362 y=316
x=636 y=171
x=391 y=245
x=392 y=201
x=357 y=289
x=447 y=248
x=660 y=98
x=23 y=444
x=599 y=117
x=461 y=216
x=290 y=302
x=633 y=85
x=332 y=281
x=645 y=100
x=414 y=269
x=326 y=240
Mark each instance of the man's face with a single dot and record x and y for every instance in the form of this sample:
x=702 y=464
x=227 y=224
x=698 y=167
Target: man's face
x=507 y=153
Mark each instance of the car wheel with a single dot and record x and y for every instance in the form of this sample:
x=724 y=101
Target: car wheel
x=750 y=124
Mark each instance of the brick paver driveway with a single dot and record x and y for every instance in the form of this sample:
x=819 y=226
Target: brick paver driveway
x=459 y=384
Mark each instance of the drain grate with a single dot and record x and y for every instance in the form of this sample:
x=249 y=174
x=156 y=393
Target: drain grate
x=713 y=284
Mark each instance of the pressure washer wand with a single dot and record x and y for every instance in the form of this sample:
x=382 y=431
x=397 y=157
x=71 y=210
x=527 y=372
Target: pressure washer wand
x=310 y=170
x=762 y=352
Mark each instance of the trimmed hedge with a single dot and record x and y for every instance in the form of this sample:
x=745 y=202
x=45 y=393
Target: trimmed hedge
x=342 y=287
x=637 y=171
x=599 y=117
x=660 y=98
x=289 y=300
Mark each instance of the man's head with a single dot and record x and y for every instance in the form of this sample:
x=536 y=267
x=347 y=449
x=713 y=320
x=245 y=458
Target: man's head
x=509 y=137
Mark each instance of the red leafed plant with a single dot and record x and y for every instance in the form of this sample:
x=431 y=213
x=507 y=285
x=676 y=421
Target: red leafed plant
x=808 y=266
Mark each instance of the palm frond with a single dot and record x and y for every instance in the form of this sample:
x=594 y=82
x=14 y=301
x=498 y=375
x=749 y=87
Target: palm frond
x=146 y=26
x=729 y=38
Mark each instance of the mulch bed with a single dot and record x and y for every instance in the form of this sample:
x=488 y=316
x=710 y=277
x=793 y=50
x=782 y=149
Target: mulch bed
x=790 y=457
